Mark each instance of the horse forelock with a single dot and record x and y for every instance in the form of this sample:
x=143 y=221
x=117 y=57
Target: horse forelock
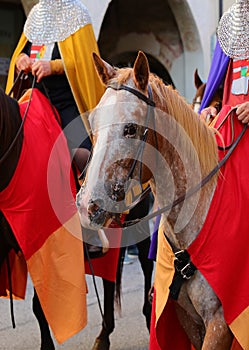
x=123 y=76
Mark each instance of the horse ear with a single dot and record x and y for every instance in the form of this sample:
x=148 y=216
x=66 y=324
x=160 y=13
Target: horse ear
x=197 y=79
x=141 y=71
x=104 y=69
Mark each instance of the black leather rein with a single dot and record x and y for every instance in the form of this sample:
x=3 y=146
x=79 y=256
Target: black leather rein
x=149 y=116
x=197 y=187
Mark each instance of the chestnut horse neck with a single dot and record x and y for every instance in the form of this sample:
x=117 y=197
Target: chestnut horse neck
x=194 y=137
x=202 y=137
x=180 y=149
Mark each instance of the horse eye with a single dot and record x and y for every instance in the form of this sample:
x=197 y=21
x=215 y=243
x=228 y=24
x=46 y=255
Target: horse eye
x=130 y=130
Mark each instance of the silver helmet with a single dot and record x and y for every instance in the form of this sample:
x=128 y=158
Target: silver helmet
x=54 y=20
x=233 y=30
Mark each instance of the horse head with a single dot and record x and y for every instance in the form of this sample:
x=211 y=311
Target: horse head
x=121 y=125
x=143 y=131
x=200 y=88
x=216 y=100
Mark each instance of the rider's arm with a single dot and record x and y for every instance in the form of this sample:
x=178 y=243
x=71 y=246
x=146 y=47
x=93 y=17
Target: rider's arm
x=43 y=69
x=23 y=63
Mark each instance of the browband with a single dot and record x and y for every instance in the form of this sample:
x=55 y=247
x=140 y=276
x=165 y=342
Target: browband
x=140 y=95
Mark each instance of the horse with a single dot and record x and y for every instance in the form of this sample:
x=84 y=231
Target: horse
x=200 y=89
x=144 y=131
x=31 y=216
x=10 y=244
x=112 y=289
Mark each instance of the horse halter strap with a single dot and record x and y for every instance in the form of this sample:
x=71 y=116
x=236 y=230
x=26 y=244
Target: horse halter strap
x=150 y=113
x=199 y=185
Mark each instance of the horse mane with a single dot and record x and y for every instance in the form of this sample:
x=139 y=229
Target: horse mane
x=203 y=137
x=170 y=101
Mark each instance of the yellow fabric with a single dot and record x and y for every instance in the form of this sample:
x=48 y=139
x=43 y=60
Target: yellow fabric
x=164 y=271
x=76 y=53
x=11 y=75
x=25 y=97
x=57 y=67
x=58 y=274
x=239 y=327
x=164 y=274
x=85 y=83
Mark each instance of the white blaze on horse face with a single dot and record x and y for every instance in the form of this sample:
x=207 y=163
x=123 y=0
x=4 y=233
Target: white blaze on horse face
x=197 y=104
x=110 y=148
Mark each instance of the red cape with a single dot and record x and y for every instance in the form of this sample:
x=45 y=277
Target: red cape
x=106 y=266
x=39 y=204
x=220 y=250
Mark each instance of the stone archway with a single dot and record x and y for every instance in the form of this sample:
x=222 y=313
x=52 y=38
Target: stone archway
x=143 y=25
x=164 y=29
x=128 y=58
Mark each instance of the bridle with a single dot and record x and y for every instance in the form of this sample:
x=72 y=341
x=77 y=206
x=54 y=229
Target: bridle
x=150 y=117
x=150 y=113
x=196 y=104
x=149 y=101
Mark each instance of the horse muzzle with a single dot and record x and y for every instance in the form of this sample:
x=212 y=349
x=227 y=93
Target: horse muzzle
x=96 y=214
x=115 y=190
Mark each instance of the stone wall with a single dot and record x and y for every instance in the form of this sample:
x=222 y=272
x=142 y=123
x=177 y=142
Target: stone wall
x=28 y=4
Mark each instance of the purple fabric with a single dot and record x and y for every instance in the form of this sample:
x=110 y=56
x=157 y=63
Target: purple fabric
x=216 y=75
x=153 y=244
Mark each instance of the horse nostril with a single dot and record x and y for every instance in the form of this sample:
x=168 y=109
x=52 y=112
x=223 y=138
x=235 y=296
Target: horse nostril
x=95 y=205
x=96 y=213
x=115 y=191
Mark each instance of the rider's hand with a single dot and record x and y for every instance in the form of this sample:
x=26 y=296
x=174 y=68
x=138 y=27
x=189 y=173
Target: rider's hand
x=242 y=112
x=24 y=63
x=208 y=113
x=41 y=69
